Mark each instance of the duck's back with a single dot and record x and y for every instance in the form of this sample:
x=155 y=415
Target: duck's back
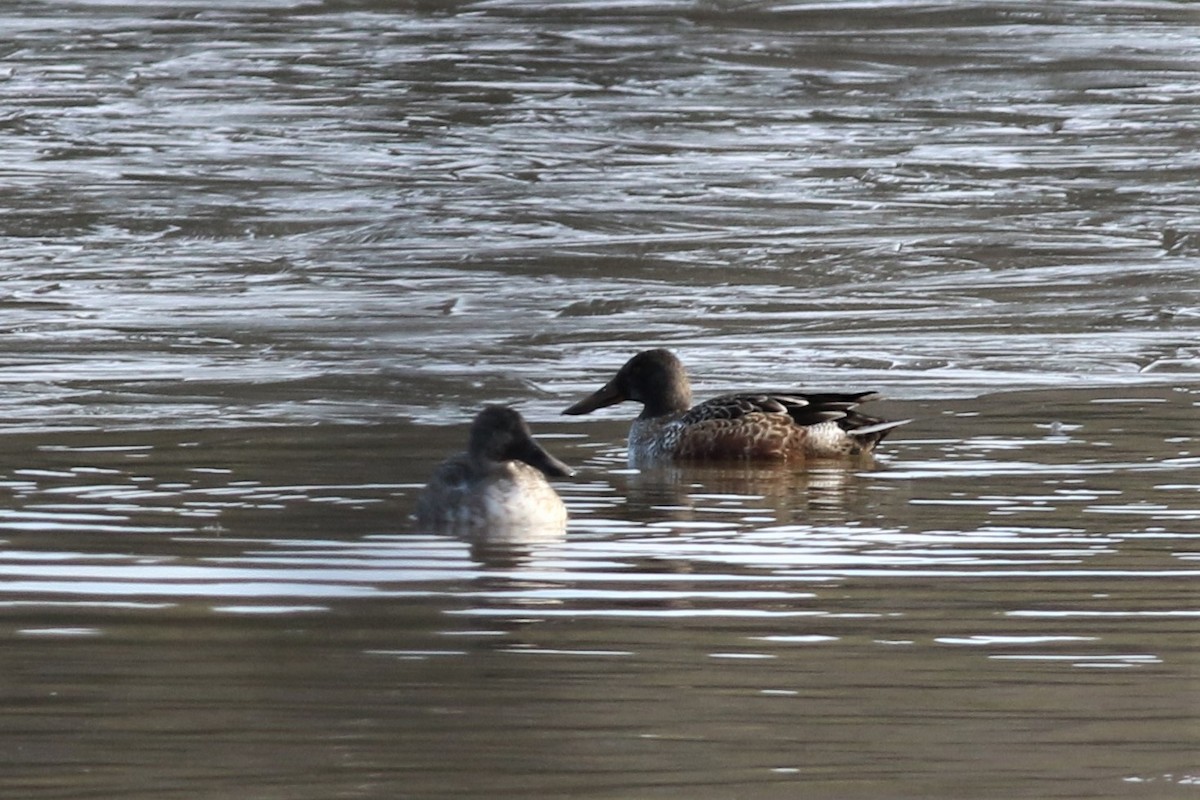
x=461 y=497
x=777 y=426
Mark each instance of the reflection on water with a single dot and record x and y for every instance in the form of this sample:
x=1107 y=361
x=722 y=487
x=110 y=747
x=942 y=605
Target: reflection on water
x=1028 y=589
x=261 y=258
x=778 y=493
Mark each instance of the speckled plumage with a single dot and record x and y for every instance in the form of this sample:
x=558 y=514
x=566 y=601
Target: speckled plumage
x=767 y=426
x=498 y=487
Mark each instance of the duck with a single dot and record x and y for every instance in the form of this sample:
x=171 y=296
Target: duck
x=789 y=426
x=498 y=486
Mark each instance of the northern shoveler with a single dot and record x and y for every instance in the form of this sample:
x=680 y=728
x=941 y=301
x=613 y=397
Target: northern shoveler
x=766 y=426
x=498 y=485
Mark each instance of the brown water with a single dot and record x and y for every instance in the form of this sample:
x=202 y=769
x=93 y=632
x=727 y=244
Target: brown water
x=262 y=261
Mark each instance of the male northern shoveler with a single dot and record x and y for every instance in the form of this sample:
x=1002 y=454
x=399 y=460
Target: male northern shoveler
x=765 y=426
x=498 y=485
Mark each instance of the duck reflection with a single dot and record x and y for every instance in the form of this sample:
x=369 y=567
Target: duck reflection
x=512 y=549
x=746 y=491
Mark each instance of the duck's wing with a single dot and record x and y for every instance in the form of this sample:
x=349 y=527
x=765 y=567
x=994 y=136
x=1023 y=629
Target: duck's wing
x=803 y=409
x=443 y=495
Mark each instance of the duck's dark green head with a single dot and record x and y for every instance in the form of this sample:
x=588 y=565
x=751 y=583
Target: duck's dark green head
x=499 y=433
x=654 y=378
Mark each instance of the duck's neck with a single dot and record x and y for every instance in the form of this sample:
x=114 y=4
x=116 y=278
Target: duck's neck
x=675 y=398
x=646 y=438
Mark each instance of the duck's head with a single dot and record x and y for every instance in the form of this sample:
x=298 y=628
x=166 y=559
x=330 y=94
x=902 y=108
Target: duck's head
x=654 y=378
x=499 y=433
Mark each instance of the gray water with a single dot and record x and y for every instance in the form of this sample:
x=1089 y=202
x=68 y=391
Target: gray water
x=260 y=263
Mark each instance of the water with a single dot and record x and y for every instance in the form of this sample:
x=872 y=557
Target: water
x=261 y=262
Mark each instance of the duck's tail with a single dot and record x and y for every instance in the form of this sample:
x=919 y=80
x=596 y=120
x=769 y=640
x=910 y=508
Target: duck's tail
x=868 y=431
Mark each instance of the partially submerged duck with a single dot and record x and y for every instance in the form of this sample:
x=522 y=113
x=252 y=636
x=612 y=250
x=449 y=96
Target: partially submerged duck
x=498 y=485
x=759 y=426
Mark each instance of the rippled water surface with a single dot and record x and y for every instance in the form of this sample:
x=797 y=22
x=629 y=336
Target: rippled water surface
x=261 y=261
